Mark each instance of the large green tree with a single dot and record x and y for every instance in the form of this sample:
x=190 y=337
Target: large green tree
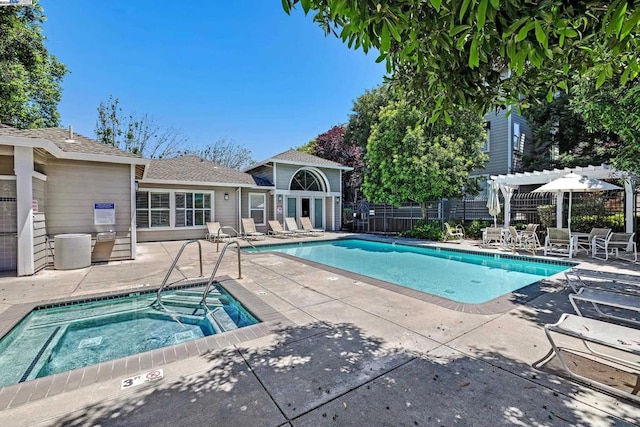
x=409 y=159
x=484 y=53
x=30 y=77
x=139 y=134
x=562 y=138
x=614 y=107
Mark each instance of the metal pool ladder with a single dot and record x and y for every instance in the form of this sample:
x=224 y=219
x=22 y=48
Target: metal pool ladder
x=213 y=273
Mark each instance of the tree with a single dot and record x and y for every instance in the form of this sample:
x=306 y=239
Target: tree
x=614 y=107
x=332 y=145
x=227 y=152
x=408 y=159
x=366 y=110
x=137 y=134
x=561 y=138
x=483 y=53
x=30 y=77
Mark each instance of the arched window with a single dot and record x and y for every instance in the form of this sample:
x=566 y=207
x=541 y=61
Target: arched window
x=306 y=180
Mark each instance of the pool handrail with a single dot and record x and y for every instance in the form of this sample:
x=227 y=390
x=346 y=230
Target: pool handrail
x=173 y=265
x=215 y=270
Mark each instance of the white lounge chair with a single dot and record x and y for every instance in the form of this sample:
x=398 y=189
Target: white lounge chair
x=456 y=235
x=249 y=229
x=591 y=331
x=214 y=232
x=305 y=221
x=599 y=298
x=576 y=279
x=277 y=230
x=559 y=242
x=614 y=243
x=293 y=226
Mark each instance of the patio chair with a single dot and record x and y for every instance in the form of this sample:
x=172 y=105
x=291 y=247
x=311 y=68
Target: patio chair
x=616 y=300
x=293 y=226
x=602 y=233
x=517 y=241
x=214 y=233
x=559 y=242
x=493 y=235
x=614 y=243
x=249 y=229
x=455 y=234
x=305 y=221
x=624 y=339
x=278 y=231
x=530 y=230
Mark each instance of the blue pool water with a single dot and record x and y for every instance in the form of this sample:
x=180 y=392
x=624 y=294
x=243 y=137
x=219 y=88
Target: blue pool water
x=57 y=339
x=458 y=276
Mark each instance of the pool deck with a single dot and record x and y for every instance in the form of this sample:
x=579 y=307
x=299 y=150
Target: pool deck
x=336 y=350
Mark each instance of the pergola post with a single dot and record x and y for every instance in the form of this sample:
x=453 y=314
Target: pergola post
x=559 y=209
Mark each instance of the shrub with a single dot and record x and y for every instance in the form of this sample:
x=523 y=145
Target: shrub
x=428 y=230
x=547 y=214
x=473 y=229
x=584 y=223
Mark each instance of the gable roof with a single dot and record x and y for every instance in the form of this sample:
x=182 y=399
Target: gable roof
x=196 y=171
x=60 y=138
x=299 y=158
x=56 y=142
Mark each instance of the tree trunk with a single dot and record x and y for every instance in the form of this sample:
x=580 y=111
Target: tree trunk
x=424 y=208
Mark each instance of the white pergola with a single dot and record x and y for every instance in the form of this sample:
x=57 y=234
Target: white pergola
x=508 y=183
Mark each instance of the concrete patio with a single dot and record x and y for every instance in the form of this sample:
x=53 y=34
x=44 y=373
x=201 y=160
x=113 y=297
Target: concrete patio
x=350 y=353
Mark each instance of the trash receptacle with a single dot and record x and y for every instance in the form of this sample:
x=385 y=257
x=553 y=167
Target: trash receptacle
x=72 y=251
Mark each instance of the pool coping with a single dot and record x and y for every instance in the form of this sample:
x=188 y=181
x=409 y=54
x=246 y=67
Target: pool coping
x=11 y=396
x=498 y=305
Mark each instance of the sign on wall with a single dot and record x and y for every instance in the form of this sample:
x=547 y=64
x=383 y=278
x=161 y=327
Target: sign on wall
x=104 y=213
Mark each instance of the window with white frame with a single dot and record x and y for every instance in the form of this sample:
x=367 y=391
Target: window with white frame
x=192 y=209
x=258 y=207
x=152 y=209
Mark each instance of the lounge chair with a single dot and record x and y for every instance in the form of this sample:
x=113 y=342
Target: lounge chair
x=493 y=235
x=591 y=331
x=599 y=298
x=249 y=229
x=455 y=234
x=278 y=231
x=614 y=243
x=559 y=242
x=575 y=279
x=595 y=232
x=214 y=233
x=293 y=226
x=305 y=221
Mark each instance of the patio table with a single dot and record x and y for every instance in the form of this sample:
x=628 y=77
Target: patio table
x=581 y=239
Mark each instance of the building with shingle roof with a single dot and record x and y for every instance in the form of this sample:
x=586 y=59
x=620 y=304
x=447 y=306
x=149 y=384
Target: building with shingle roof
x=54 y=182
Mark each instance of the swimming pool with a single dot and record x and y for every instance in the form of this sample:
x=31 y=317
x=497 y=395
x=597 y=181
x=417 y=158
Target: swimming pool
x=69 y=336
x=460 y=276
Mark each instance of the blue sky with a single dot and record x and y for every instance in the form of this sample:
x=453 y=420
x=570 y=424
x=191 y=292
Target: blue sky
x=239 y=69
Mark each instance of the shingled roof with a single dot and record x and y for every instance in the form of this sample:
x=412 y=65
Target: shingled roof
x=195 y=169
x=60 y=137
x=296 y=156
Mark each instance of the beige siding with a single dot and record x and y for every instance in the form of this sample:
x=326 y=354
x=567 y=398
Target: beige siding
x=285 y=172
x=224 y=211
x=72 y=189
x=40 y=251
